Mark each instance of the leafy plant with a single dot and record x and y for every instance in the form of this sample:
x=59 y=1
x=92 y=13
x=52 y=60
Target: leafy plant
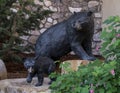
x=97 y=76
x=111 y=39
x=18 y=18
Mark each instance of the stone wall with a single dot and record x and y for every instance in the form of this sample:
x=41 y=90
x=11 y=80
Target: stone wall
x=63 y=9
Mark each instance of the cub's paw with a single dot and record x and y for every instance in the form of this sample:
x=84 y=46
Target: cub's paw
x=38 y=84
x=29 y=80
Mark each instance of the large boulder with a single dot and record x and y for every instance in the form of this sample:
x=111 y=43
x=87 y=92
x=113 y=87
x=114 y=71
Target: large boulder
x=73 y=65
x=3 y=71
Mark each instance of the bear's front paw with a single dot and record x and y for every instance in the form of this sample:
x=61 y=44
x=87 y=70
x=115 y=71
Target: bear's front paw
x=38 y=84
x=91 y=58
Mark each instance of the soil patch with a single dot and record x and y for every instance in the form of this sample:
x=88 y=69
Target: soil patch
x=17 y=70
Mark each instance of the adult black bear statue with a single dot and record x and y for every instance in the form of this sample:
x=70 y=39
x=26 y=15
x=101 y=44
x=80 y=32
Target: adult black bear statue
x=74 y=34
x=39 y=67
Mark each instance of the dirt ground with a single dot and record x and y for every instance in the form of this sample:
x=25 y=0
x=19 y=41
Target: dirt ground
x=17 y=70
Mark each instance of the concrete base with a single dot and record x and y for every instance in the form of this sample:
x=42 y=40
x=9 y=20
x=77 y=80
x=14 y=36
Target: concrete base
x=21 y=86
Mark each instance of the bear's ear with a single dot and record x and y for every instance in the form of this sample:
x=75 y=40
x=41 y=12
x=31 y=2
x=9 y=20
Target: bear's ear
x=23 y=60
x=75 y=12
x=73 y=24
x=89 y=13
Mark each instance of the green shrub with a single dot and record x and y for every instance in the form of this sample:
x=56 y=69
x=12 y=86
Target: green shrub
x=18 y=18
x=97 y=76
x=110 y=35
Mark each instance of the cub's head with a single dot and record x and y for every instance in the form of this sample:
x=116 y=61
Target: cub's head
x=29 y=64
x=81 y=20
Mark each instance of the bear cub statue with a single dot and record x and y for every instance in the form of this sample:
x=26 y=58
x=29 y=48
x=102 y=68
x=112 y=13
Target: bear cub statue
x=39 y=67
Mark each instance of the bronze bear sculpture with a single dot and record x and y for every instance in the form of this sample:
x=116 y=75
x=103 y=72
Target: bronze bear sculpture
x=74 y=34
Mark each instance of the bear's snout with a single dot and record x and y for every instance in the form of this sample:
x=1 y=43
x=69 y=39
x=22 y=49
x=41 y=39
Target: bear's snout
x=30 y=70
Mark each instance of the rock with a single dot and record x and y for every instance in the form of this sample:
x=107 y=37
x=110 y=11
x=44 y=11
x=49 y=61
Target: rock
x=98 y=15
x=43 y=21
x=45 y=8
x=50 y=20
x=47 y=3
x=3 y=71
x=21 y=86
x=74 y=64
x=72 y=10
x=56 y=16
x=37 y=2
x=54 y=9
x=24 y=37
x=42 y=30
x=47 y=25
x=96 y=37
x=32 y=39
x=76 y=4
x=36 y=32
x=41 y=25
x=64 y=9
x=55 y=22
x=92 y=3
x=93 y=45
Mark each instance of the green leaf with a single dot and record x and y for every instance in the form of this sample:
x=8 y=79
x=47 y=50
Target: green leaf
x=109 y=91
x=101 y=90
x=108 y=85
x=104 y=33
x=84 y=90
x=116 y=44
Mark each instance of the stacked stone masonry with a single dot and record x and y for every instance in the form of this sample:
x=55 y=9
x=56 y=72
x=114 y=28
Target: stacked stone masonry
x=62 y=10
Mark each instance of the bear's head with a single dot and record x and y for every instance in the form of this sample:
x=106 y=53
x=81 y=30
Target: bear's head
x=81 y=20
